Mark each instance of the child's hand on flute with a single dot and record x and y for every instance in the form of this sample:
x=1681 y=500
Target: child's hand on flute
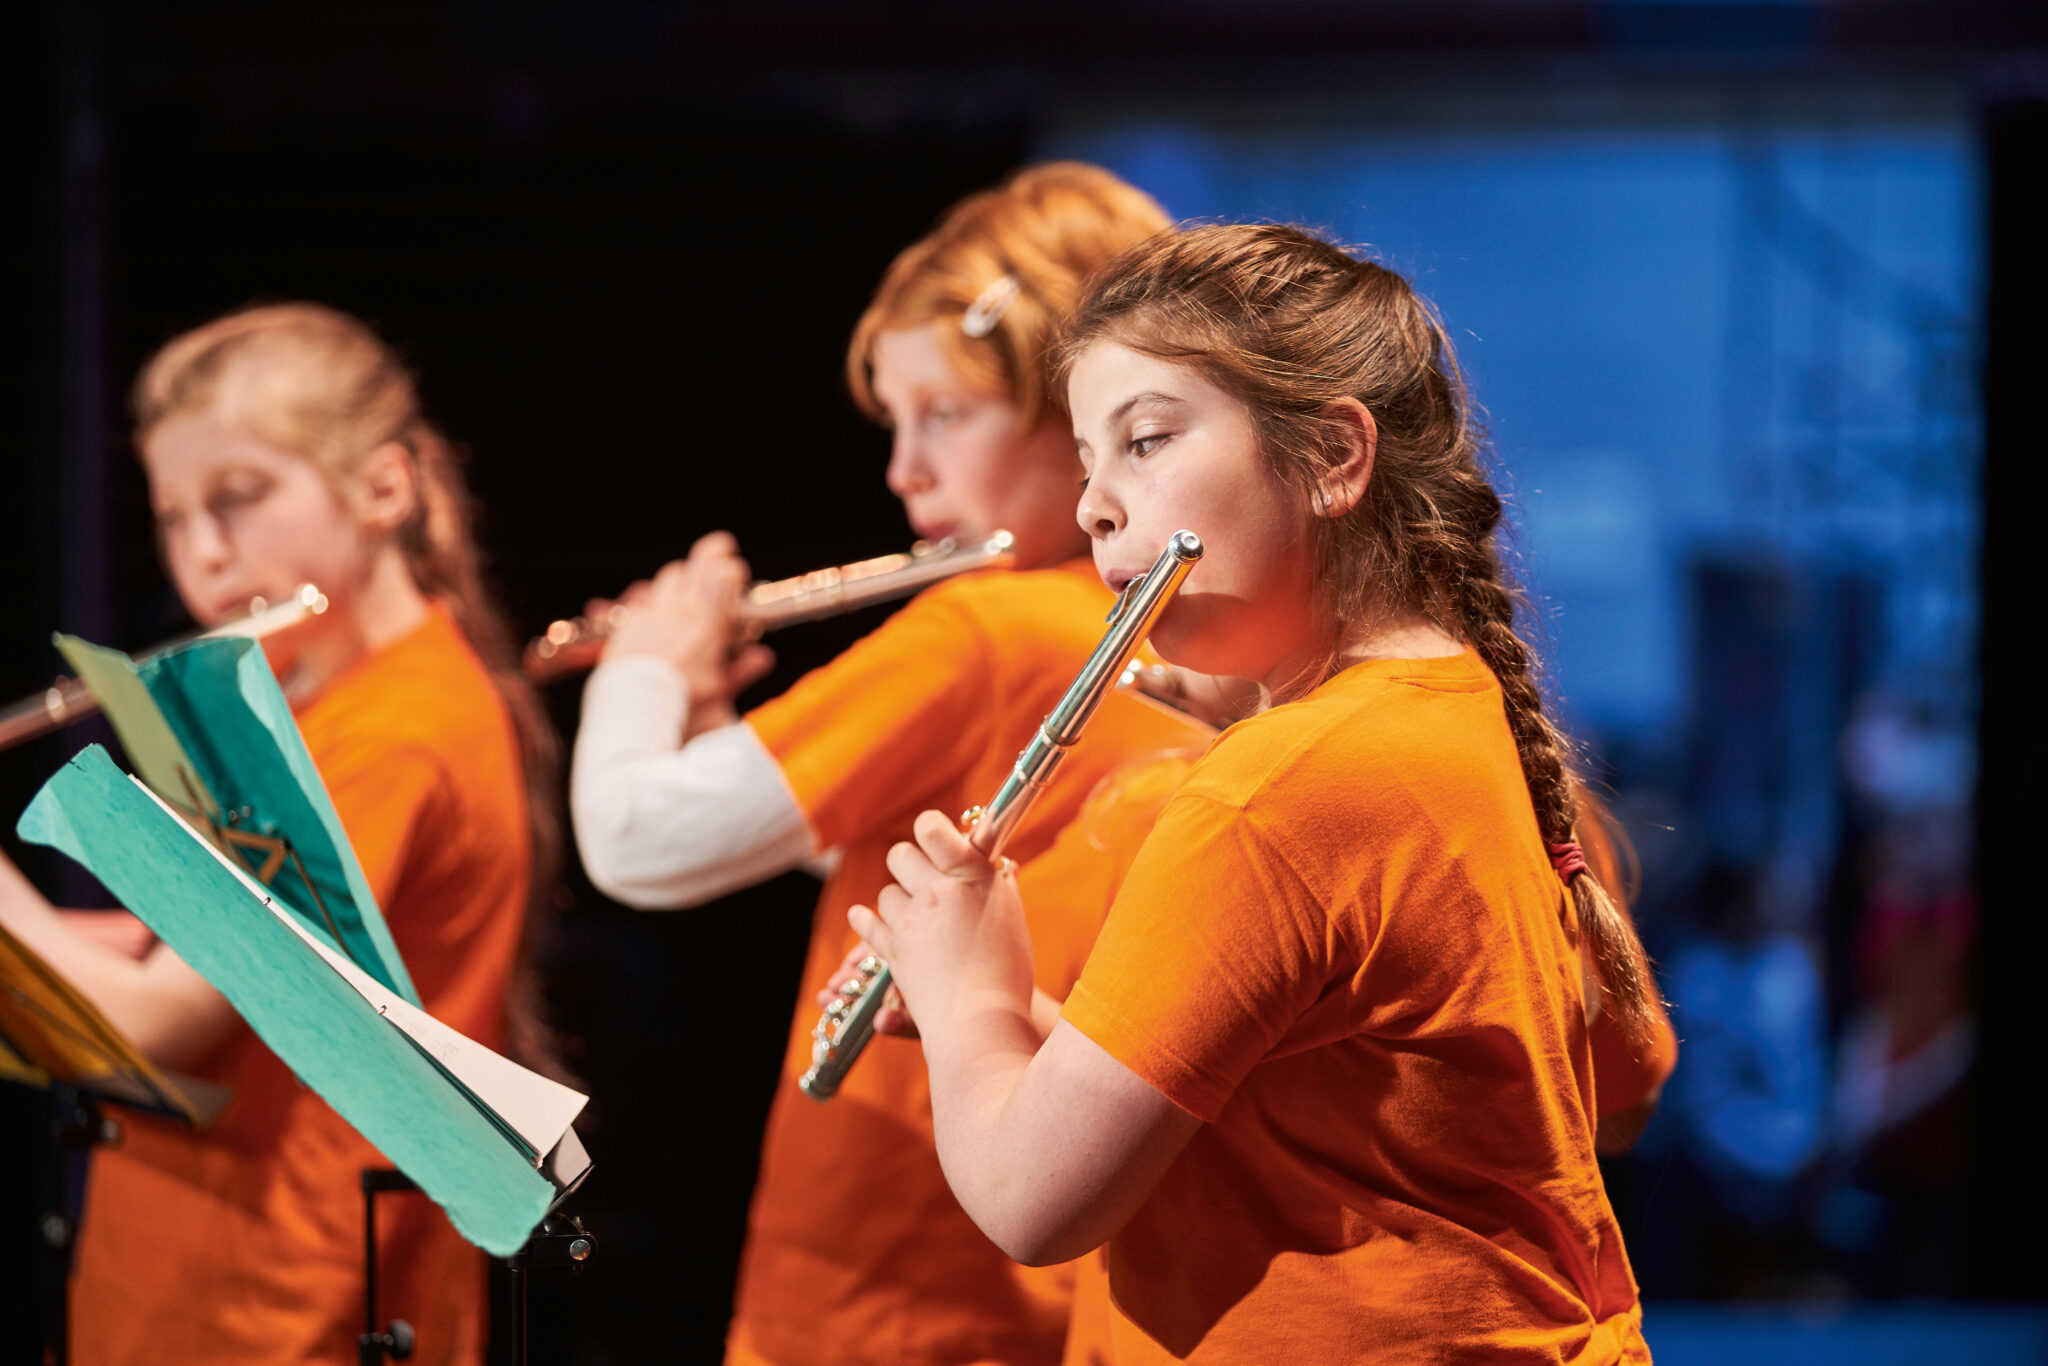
x=951 y=926
x=691 y=616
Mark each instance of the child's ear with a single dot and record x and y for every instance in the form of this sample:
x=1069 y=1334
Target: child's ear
x=386 y=489
x=1340 y=487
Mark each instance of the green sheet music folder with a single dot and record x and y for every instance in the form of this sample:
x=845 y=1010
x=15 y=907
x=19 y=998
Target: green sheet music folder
x=208 y=729
x=379 y=1078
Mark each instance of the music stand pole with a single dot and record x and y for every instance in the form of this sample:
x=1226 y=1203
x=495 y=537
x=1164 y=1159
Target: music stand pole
x=76 y=1124
x=396 y=1338
x=561 y=1240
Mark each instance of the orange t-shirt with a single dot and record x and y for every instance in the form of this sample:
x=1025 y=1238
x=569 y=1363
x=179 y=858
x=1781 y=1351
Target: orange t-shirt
x=1628 y=1072
x=856 y=1250
x=244 y=1243
x=1085 y=866
x=1345 y=949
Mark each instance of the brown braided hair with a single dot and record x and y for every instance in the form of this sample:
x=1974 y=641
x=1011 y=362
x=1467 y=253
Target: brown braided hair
x=1290 y=325
x=319 y=382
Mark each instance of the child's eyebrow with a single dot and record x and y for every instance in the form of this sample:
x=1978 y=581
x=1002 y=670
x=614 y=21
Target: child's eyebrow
x=1148 y=396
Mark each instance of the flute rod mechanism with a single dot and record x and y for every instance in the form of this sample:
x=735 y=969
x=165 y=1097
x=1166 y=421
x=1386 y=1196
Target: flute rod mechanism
x=67 y=700
x=574 y=643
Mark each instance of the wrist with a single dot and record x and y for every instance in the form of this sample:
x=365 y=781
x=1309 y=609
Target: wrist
x=978 y=1032
x=974 y=1017
x=709 y=714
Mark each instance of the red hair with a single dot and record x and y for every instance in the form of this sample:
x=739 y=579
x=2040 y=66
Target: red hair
x=1048 y=228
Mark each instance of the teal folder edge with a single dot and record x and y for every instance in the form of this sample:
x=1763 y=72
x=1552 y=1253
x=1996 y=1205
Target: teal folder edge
x=228 y=713
x=335 y=1041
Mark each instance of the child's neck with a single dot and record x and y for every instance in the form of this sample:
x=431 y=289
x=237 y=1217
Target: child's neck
x=385 y=608
x=1403 y=636
x=1398 y=635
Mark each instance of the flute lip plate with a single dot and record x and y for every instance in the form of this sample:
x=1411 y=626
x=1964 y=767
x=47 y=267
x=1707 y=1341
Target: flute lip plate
x=1185 y=547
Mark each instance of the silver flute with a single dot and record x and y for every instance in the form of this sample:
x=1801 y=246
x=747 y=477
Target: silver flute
x=574 y=643
x=849 y=1022
x=68 y=700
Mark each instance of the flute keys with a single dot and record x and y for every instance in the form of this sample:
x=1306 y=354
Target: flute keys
x=826 y=1032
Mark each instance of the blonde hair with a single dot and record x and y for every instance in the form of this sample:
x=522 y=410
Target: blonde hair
x=315 y=381
x=312 y=379
x=1048 y=228
x=1290 y=325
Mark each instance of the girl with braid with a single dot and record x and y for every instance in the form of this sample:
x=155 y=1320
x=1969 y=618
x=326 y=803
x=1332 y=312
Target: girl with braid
x=1325 y=1086
x=286 y=445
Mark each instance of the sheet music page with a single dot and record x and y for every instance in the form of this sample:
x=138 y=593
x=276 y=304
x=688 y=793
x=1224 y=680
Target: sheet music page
x=378 y=1078
x=206 y=727
x=145 y=733
x=534 y=1107
x=223 y=702
x=50 y=1029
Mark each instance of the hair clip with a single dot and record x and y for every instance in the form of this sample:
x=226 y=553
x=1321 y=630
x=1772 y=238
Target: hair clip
x=990 y=305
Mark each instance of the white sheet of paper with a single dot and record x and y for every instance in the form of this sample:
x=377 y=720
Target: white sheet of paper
x=536 y=1108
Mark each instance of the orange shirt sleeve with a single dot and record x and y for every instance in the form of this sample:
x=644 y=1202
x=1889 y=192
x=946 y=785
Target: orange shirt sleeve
x=1626 y=1074
x=390 y=799
x=1214 y=951
x=884 y=731
x=1068 y=889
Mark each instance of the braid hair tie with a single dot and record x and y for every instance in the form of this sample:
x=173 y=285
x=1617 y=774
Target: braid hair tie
x=1569 y=860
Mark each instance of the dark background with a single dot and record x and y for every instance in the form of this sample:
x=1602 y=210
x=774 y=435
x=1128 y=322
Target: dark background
x=623 y=246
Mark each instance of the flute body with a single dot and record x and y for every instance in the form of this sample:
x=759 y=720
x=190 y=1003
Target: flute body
x=68 y=700
x=848 y=1023
x=574 y=643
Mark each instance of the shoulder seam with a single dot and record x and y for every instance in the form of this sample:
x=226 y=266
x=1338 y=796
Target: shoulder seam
x=1270 y=846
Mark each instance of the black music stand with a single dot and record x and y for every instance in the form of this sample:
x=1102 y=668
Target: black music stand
x=559 y=1241
x=61 y=1045
x=75 y=1125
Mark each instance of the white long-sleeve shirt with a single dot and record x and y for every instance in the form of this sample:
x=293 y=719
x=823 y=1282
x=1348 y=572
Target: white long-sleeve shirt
x=663 y=825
